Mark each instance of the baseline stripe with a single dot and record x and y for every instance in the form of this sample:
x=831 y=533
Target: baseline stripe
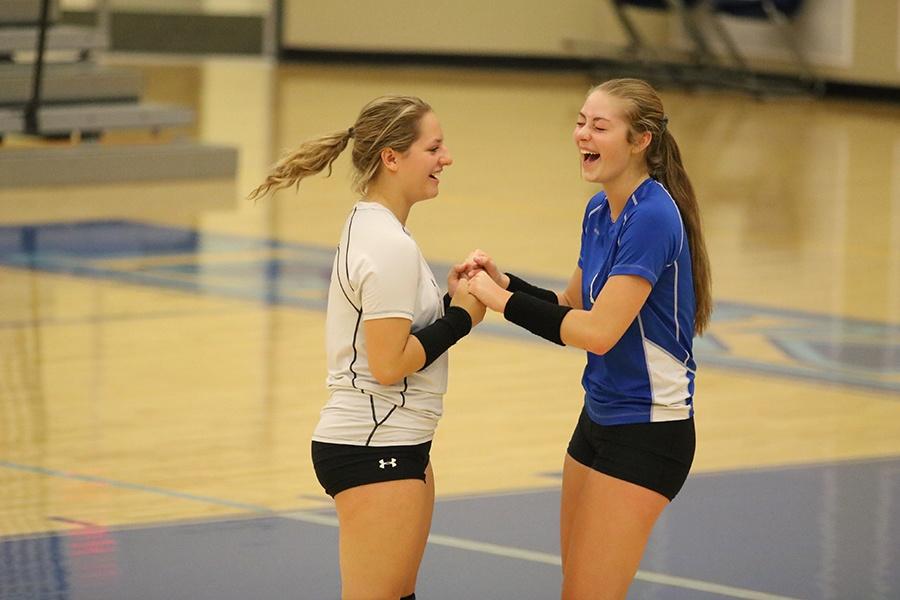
x=137 y=487
x=437 y=539
x=553 y=559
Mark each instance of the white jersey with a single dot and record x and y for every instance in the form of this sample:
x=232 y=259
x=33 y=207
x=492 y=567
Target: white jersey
x=378 y=272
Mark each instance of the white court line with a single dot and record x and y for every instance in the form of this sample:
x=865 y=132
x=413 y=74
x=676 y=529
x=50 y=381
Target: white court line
x=553 y=559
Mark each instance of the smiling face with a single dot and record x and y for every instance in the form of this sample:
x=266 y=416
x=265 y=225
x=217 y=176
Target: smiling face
x=602 y=137
x=420 y=167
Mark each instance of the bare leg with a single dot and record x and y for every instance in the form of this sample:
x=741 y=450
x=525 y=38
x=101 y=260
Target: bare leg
x=574 y=476
x=424 y=527
x=383 y=529
x=607 y=535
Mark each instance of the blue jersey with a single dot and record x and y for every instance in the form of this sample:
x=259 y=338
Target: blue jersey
x=649 y=374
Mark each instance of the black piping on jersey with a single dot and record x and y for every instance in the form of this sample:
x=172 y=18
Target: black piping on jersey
x=341 y=283
x=347 y=252
x=355 y=353
x=358 y=318
x=347 y=296
x=359 y=314
x=390 y=412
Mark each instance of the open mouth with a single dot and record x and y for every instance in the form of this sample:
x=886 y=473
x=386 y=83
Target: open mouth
x=434 y=176
x=589 y=158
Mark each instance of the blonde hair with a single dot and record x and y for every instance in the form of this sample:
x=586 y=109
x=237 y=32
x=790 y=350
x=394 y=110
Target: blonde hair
x=385 y=122
x=644 y=113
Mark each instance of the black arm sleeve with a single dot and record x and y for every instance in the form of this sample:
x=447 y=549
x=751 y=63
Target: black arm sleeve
x=537 y=316
x=443 y=333
x=520 y=285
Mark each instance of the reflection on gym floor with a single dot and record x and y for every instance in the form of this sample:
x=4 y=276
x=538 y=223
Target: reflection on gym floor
x=162 y=351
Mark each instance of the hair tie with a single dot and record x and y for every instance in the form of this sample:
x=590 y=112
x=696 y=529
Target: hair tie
x=664 y=123
x=350 y=133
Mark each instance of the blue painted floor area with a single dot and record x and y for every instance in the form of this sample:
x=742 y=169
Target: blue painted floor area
x=827 y=531
x=830 y=531
x=801 y=345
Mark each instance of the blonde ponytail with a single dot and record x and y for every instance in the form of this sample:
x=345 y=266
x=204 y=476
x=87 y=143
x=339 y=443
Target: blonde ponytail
x=309 y=159
x=385 y=122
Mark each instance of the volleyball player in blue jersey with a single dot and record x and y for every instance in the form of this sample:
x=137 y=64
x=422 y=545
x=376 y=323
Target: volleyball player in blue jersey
x=639 y=295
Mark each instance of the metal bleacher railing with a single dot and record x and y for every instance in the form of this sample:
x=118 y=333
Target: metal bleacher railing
x=72 y=97
x=53 y=88
x=703 y=64
x=31 y=109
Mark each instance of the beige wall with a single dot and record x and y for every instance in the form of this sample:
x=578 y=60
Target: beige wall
x=500 y=27
x=846 y=40
x=877 y=38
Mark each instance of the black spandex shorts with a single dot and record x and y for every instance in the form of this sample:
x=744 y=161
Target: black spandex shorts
x=339 y=467
x=656 y=456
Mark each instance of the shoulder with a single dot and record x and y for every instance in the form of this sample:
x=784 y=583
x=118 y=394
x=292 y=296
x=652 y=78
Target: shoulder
x=378 y=236
x=594 y=206
x=654 y=218
x=655 y=207
x=371 y=215
x=596 y=202
x=378 y=228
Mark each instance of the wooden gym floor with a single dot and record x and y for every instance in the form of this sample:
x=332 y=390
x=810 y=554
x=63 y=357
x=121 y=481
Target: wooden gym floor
x=162 y=368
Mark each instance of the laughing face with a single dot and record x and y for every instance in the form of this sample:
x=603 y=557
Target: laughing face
x=601 y=135
x=425 y=160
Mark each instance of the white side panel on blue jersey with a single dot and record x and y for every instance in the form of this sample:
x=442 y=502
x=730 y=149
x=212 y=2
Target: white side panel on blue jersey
x=668 y=383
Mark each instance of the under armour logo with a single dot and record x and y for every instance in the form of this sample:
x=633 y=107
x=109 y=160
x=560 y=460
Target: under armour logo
x=383 y=463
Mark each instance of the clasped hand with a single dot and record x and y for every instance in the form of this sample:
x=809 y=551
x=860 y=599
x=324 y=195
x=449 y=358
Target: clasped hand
x=480 y=279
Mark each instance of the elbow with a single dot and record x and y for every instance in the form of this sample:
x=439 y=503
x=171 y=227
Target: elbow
x=598 y=345
x=386 y=376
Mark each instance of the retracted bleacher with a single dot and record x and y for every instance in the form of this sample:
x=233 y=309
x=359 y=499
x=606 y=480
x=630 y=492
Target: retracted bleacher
x=82 y=100
x=705 y=36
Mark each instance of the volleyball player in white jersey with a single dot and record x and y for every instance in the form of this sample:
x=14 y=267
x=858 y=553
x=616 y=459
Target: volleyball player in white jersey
x=640 y=293
x=388 y=331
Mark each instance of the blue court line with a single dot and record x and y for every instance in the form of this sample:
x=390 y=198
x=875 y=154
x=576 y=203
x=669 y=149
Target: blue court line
x=811 y=376
x=269 y=296
x=546 y=558
x=816 y=347
x=262 y=510
x=438 y=539
x=55 y=322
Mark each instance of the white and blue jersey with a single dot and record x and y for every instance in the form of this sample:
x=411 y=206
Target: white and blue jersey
x=649 y=374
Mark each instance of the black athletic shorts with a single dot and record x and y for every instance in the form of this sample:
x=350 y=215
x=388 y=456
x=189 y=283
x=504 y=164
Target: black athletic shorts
x=340 y=467
x=656 y=456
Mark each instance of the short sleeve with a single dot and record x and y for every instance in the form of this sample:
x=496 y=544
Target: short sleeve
x=648 y=243
x=388 y=276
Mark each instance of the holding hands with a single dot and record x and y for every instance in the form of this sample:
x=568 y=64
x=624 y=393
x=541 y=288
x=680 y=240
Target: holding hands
x=463 y=298
x=488 y=291
x=483 y=280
